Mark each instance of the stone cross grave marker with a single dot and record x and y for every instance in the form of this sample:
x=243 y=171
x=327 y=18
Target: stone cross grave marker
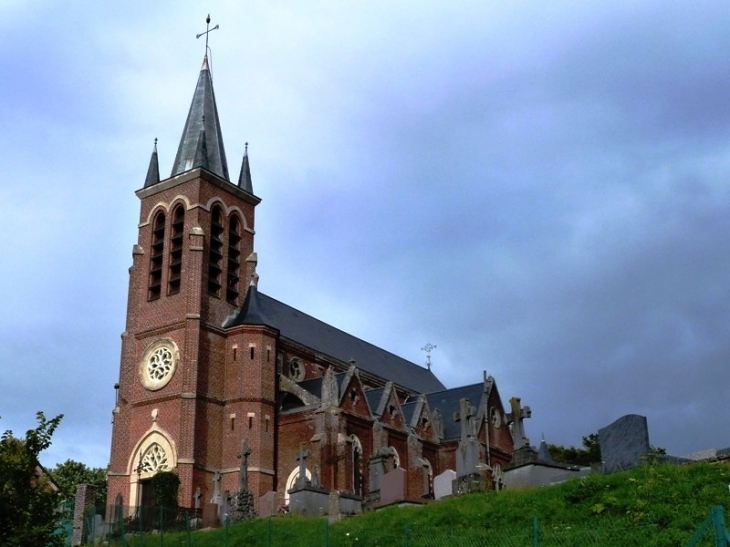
x=243 y=475
x=302 y=459
x=216 y=488
x=515 y=418
x=465 y=416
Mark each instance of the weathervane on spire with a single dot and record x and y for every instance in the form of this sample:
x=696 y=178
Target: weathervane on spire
x=208 y=30
x=428 y=348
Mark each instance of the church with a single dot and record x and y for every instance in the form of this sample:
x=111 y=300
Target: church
x=214 y=372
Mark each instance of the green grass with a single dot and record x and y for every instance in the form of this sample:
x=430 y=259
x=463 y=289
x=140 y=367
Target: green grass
x=653 y=505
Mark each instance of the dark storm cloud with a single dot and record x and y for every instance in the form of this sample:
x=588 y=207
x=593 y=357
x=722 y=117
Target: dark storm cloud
x=541 y=191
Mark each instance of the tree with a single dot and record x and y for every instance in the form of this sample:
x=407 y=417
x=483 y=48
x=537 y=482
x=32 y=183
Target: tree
x=69 y=474
x=166 y=485
x=590 y=453
x=28 y=498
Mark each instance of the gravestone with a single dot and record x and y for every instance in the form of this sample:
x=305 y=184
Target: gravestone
x=467 y=454
x=302 y=480
x=241 y=505
x=306 y=499
x=267 y=504
x=515 y=419
x=443 y=484
x=624 y=442
x=393 y=486
x=376 y=465
x=333 y=507
x=216 y=499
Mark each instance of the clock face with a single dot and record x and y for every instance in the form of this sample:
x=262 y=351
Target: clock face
x=158 y=364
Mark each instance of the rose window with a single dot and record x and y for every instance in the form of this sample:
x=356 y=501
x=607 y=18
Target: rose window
x=158 y=364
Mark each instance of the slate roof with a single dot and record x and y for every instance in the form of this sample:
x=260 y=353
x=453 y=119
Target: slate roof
x=408 y=410
x=153 y=171
x=202 y=132
x=313 y=386
x=447 y=401
x=260 y=309
x=244 y=178
x=373 y=396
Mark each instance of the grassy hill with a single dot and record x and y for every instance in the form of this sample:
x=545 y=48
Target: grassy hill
x=654 y=505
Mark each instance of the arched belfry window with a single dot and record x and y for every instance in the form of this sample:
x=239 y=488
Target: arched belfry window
x=234 y=258
x=156 y=256
x=176 y=250
x=215 y=259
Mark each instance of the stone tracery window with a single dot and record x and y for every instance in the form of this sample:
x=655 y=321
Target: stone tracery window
x=160 y=363
x=154 y=459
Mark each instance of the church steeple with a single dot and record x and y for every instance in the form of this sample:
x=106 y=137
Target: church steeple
x=153 y=171
x=202 y=125
x=244 y=179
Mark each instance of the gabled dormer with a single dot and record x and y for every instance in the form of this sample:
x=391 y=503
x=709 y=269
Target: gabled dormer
x=419 y=419
x=387 y=408
x=352 y=394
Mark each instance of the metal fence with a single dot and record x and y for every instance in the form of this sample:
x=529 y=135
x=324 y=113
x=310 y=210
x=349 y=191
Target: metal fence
x=160 y=527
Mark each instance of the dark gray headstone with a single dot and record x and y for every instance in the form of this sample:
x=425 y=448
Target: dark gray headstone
x=624 y=442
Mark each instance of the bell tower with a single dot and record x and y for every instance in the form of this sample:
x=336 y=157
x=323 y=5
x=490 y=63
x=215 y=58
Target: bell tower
x=191 y=269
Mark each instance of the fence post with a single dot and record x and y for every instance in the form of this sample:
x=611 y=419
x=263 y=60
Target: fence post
x=326 y=533
x=719 y=521
x=406 y=535
x=535 y=532
x=162 y=523
x=187 y=527
x=228 y=527
x=268 y=533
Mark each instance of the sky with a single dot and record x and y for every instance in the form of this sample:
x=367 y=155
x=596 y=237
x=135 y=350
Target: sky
x=539 y=189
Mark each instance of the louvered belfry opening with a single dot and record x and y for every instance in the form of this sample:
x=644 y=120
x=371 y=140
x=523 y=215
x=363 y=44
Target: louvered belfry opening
x=176 y=250
x=156 y=257
x=215 y=258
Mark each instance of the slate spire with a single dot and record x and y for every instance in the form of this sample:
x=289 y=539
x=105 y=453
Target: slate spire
x=202 y=123
x=244 y=179
x=201 y=152
x=153 y=171
x=252 y=311
x=543 y=452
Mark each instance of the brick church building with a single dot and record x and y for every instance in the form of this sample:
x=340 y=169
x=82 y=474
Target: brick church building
x=210 y=362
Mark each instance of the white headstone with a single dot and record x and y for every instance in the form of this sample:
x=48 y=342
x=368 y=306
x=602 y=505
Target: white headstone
x=443 y=484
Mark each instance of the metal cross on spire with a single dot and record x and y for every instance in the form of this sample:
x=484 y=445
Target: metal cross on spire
x=208 y=30
x=428 y=348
